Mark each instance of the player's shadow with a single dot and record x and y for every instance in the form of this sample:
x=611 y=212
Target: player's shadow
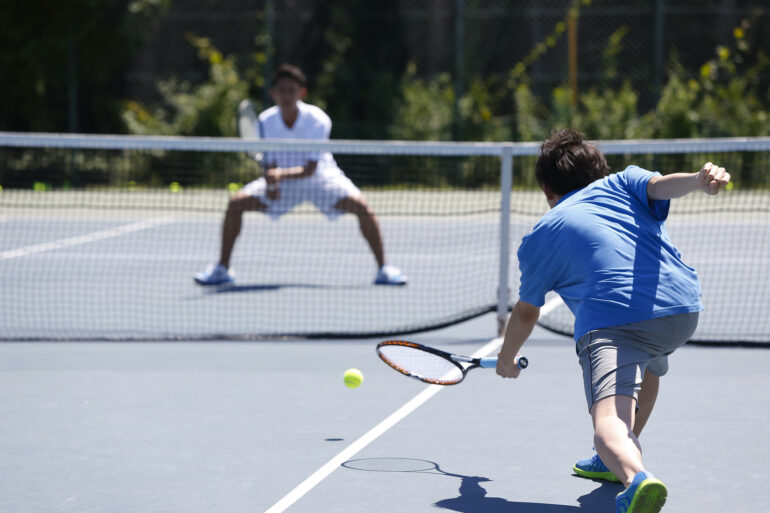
x=267 y=287
x=473 y=499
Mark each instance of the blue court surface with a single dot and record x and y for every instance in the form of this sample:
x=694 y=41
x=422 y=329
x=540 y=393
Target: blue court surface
x=269 y=426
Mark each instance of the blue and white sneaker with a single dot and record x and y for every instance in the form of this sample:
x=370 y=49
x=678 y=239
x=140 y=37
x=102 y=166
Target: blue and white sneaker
x=645 y=494
x=389 y=275
x=594 y=468
x=215 y=274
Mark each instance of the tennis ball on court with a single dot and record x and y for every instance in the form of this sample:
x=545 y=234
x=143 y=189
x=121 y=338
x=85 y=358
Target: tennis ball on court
x=729 y=186
x=174 y=187
x=353 y=378
x=233 y=187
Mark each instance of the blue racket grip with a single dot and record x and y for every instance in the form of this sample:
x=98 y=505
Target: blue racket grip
x=490 y=362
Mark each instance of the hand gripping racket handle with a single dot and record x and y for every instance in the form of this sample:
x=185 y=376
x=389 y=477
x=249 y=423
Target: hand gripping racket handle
x=486 y=363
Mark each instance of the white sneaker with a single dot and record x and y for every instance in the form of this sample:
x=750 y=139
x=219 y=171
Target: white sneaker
x=389 y=275
x=215 y=274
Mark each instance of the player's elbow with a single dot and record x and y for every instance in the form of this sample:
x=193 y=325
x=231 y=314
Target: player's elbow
x=309 y=169
x=654 y=189
x=526 y=313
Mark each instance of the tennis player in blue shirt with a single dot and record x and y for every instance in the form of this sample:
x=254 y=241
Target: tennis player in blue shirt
x=604 y=249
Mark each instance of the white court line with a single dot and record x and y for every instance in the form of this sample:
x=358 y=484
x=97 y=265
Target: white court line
x=320 y=474
x=351 y=450
x=84 y=239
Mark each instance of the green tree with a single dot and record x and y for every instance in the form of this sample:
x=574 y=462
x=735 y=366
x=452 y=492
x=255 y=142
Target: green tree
x=204 y=109
x=63 y=61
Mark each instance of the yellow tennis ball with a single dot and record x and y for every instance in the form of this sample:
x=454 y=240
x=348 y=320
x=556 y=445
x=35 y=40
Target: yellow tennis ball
x=353 y=378
x=174 y=187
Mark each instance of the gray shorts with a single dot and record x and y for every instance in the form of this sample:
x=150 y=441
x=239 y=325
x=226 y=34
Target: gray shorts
x=614 y=359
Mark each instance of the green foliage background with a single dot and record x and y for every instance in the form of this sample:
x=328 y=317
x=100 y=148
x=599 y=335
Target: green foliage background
x=48 y=47
x=725 y=96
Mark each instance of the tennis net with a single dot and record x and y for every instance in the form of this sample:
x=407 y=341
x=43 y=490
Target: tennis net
x=101 y=236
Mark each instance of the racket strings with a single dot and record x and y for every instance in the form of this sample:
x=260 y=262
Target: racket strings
x=416 y=362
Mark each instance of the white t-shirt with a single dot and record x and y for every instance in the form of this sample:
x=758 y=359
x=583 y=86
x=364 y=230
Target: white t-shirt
x=311 y=123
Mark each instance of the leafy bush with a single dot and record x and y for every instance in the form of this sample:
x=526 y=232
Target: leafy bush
x=205 y=109
x=721 y=99
x=208 y=108
x=424 y=112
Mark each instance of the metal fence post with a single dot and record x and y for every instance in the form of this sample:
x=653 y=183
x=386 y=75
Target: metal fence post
x=506 y=182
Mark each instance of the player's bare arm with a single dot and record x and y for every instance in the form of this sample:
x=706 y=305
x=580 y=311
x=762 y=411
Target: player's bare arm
x=276 y=174
x=710 y=179
x=520 y=326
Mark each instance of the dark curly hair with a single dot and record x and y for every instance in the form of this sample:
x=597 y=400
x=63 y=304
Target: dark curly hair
x=567 y=162
x=290 y=72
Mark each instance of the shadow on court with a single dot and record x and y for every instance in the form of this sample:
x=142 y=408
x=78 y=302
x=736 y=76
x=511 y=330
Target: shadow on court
x=473 y=497
x=268 y=287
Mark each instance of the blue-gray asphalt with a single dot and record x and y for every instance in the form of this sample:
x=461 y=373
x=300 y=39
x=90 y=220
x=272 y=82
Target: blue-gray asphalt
x=235 y=426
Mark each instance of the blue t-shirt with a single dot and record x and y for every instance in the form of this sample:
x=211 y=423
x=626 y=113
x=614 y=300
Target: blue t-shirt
x=604 y=249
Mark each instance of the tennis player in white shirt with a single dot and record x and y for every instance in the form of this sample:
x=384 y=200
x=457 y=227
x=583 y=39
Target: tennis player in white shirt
x=292 y=178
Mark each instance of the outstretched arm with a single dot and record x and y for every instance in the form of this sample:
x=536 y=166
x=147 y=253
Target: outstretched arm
x=711 y=178
x=276 y=174
x=520 y=325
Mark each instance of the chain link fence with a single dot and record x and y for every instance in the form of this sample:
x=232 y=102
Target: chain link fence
x=344 y=44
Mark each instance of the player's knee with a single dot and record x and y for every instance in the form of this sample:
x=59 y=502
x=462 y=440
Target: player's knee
x=356 y=206
x=366 y=212
x=362 y=209
x=236 y=205
x=232 y=207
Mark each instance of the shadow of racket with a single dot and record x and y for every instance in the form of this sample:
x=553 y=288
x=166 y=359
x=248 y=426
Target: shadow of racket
x=400 y=465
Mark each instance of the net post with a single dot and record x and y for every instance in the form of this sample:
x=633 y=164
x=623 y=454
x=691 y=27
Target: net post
x=506 y=182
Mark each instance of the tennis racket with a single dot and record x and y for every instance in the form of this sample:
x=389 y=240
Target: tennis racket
x=247 y=126
x=431 y=365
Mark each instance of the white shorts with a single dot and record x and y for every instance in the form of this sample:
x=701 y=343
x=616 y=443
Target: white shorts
x=324 y=190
